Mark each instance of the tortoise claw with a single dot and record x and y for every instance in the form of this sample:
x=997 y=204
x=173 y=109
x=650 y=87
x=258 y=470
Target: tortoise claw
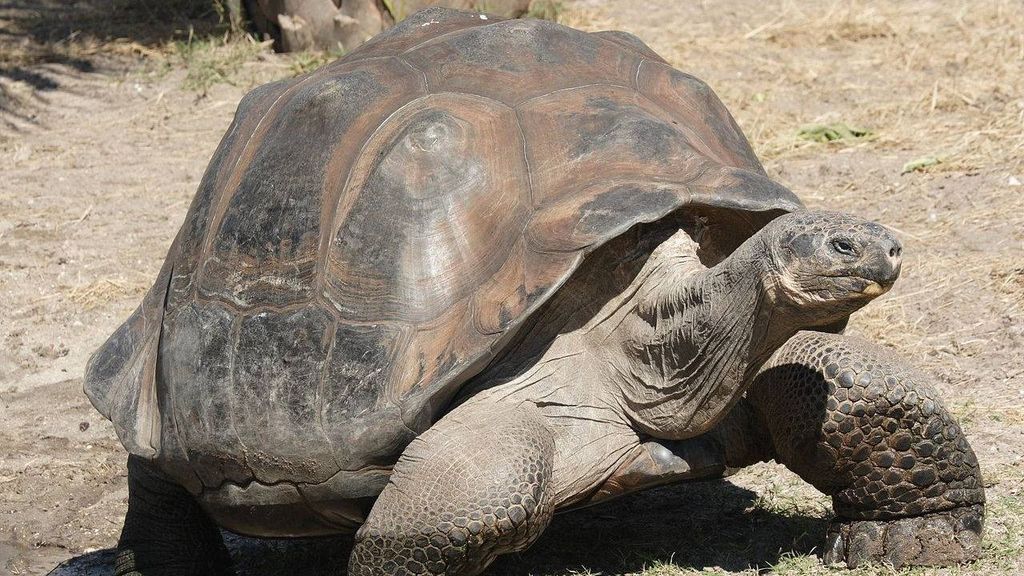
x=937 y=539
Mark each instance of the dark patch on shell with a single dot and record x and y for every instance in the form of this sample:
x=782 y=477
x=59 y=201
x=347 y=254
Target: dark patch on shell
x=606 y=210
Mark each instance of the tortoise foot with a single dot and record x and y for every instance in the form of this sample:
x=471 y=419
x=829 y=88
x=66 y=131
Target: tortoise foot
x=937 y=539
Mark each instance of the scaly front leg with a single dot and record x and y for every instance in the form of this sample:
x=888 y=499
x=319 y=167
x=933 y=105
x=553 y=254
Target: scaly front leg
x=856 y=422
x=475 y=485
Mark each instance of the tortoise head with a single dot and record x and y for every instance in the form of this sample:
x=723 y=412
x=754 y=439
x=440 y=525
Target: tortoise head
x=830 y=264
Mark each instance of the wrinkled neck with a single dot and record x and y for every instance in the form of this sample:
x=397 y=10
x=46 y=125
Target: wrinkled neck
x=692 y=342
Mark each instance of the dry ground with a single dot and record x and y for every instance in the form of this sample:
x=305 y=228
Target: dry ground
x=106 y=126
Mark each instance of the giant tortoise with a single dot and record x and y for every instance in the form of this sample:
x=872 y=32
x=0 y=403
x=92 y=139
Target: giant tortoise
x=478 y=271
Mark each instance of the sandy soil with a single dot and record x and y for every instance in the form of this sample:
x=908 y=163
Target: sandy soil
x=102 y=144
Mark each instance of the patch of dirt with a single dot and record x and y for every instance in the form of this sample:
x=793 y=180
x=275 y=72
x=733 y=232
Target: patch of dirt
x=102 y=150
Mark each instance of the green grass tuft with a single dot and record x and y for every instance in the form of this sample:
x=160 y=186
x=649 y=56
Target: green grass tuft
x=309 y=60
x=920 y=164
x=831 y=132
x=546 y=10
x=214 y=60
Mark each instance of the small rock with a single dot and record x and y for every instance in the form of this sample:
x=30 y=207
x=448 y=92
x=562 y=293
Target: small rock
x=1013 y=181
x=51 y=351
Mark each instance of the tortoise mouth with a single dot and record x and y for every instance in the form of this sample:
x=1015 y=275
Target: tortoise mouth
x=868 y=287
x=872 y=289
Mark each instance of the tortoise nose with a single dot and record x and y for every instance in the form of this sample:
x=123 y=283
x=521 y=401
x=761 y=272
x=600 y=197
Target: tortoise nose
x=891 y=260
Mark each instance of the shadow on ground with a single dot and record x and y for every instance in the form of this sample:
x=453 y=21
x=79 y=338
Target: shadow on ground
x=695 y=525
x=37 y=33
x=58 y=23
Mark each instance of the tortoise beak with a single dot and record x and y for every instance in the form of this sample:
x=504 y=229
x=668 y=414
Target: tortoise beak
x=882 y=264
x=873 y=289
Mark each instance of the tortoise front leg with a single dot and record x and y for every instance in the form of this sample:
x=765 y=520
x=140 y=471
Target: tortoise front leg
x=475 y=485
x=854 y=421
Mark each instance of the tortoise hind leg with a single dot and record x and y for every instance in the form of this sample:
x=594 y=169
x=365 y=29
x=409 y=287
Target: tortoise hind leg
x=475 y=485
x=851 y=419
x=165 y=531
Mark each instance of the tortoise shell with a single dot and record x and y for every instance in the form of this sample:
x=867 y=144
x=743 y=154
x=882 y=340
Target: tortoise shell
x=370 y=235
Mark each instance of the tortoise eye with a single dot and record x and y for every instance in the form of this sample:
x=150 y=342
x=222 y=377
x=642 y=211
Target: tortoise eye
x=844 y=247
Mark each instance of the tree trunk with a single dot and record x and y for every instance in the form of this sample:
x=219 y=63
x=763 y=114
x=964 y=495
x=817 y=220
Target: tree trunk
x=236 y=15
x=342 y=25
x=504 y=8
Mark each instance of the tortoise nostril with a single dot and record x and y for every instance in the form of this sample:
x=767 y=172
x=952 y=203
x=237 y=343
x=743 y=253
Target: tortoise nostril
x=894 y=251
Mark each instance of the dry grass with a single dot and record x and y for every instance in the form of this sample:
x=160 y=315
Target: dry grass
x=102 y=291
x=944 y=78
x=74 y=34
x=214 y=60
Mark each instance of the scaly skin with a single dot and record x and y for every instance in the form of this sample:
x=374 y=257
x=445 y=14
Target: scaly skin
x=472 y=487
x=851 y=419
x=165 y=532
